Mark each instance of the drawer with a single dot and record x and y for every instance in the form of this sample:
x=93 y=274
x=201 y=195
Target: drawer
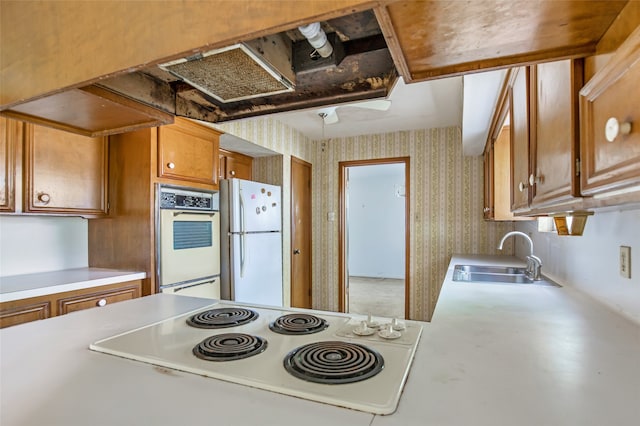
x=19 y=312
x=97 y=299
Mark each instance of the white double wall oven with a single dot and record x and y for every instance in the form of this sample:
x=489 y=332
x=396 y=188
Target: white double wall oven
x=188 y=241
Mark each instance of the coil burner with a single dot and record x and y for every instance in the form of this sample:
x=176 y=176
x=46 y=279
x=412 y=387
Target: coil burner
x=333 y=362
x=298 y=324
x=229 y=347
x=222 y=318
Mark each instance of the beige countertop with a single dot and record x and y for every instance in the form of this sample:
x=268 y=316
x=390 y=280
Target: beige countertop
x=493 y=355
x=498 y=354
x=18 y=287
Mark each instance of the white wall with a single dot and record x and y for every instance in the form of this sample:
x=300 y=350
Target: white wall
x=30 y=244
x=590 y=262
x=376 y=221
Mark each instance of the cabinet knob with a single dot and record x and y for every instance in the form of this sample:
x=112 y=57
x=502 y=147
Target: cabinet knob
x=613 y=128
x=533 y=179
x=486 y=209
x=44 y=198
x=171 y=166
x=102 y=302
x=232 y=173
x=522 y=186
x=296 y=251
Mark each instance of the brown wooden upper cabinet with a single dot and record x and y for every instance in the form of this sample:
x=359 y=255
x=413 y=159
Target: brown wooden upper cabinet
x=10 y=136
x=519 y=112
x=498 y=158
x=545 y=136
x=187 y=151
x=488 y=210
x=610 y=124
x=554 y=145
x=235 y=165
x=64 y=172
x=49 y=171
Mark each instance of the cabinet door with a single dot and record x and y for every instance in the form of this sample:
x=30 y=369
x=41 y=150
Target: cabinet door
x=65 y=173
x=238 y=166
x=92 y=299
x=10 y=136
x=519 y=104
x=188 y=151
x=488 y=183
x=610 y=100
x=555 y=132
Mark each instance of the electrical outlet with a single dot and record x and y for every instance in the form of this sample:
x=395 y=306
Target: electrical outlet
x=625 y=261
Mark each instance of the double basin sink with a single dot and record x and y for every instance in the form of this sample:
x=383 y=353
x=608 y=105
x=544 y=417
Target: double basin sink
x=495 y=274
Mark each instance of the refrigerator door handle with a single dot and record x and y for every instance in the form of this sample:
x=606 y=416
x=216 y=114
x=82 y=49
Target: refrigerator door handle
x=243 y=254
x=242 y=237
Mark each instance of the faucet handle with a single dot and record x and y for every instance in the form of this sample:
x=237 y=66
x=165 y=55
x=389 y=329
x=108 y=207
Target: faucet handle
x=534 y=267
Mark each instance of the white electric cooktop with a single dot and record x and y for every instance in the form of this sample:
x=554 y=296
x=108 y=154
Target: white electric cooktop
x=170 y=343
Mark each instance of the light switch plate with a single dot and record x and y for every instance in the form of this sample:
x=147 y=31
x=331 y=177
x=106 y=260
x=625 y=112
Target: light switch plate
x=625 y=261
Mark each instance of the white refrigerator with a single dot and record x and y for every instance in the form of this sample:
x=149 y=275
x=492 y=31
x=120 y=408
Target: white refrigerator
x=251 y=242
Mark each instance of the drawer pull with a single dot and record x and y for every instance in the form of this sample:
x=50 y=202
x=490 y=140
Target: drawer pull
x=102 y=302
x=232 y=173
x=613 y=128
x=522 y=186
x=171 y=166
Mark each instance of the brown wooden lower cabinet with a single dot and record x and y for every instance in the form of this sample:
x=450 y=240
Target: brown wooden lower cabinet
x=41 y=307
x=98 y=298
x=19 y=312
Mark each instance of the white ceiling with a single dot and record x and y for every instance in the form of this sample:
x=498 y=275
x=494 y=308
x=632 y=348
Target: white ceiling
x=481 y=93
x=425 y=105
x=436 y=103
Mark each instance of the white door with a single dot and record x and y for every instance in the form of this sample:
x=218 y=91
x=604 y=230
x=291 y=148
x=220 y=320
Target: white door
x=257 y=268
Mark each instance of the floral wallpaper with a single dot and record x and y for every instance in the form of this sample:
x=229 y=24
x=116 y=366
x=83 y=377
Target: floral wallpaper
x=446 y=209
x=446 y=201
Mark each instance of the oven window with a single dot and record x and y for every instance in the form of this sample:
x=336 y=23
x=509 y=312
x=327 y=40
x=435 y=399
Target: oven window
x=187 y=235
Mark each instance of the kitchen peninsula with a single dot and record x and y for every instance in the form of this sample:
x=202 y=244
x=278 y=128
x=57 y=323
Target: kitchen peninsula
x=493 y=355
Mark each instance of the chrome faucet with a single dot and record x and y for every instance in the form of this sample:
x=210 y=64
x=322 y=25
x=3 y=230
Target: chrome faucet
x=534 y=264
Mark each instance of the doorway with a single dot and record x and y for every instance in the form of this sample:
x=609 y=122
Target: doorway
x=374 y=237
x=300 y=233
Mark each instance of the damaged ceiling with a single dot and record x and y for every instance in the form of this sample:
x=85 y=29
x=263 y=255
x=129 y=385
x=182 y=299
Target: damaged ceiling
x=259 y=64
x=227 y=84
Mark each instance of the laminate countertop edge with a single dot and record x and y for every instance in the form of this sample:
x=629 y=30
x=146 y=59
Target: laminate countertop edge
x=17 y=287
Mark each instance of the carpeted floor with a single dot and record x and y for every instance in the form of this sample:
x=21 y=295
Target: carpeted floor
x=377 y=296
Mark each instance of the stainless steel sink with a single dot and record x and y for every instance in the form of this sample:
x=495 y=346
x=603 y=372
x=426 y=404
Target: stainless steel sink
x=511 y=270
x=495 y=274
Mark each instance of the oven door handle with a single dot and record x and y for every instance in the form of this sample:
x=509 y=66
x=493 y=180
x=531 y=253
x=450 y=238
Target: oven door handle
x=198 y=213
x=194 y=285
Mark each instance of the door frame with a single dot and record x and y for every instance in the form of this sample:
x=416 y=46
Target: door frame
x=342 y=227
